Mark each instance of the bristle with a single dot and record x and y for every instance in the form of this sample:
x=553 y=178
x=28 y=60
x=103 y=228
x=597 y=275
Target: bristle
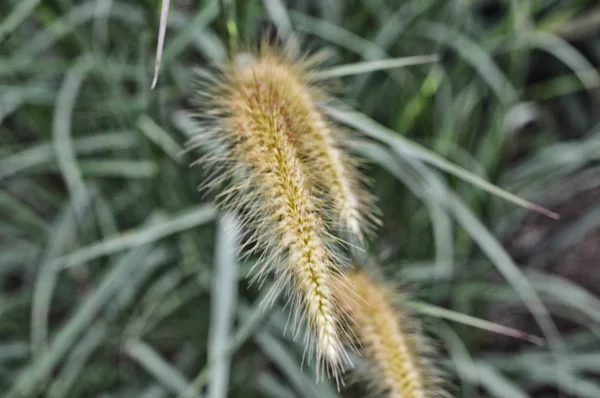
x=396 y=352
x=250 y=112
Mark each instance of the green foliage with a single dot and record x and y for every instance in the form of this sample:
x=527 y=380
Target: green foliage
x=116 y=274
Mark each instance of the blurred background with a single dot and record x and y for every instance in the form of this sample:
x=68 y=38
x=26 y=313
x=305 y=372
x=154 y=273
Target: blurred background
x=119 y=279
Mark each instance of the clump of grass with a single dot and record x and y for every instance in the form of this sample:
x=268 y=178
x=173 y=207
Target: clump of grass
x=397 y=353
x=258 y=109
x=140 y=255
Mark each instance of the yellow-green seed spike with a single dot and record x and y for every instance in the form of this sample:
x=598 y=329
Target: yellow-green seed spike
x=250 y=120
x=320 y=143
x=396 y=352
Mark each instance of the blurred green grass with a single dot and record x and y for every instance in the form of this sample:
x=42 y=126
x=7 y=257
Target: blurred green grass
x=117 y=277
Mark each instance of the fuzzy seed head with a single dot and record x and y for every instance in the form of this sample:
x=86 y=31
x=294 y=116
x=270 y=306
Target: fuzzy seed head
x=319 y=143
x=253 y=116
x=396 y=352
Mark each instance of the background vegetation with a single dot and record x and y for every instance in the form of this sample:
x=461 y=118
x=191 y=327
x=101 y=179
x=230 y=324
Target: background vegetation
x=118 y=279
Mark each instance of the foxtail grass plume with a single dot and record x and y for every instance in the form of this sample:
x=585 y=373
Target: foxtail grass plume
x=320 y=144
x=256 y=111
x=396 y=352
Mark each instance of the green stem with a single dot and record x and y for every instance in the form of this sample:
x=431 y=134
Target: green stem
x=228 y=16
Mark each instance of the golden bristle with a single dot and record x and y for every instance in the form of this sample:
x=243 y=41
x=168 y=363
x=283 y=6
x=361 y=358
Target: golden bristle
x=396 y=352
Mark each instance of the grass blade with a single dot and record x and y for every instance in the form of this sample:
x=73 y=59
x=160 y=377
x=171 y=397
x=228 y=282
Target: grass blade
x=162 y=31
x=159 y=230
x=17 y=16
x=371 y=66
x=61 y=128
x=150 y=360
x=465 y=319
x=407 y=147
x=223 y=303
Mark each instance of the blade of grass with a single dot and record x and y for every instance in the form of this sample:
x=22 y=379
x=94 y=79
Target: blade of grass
x=61 y=128
x=160 y=137
x=13 y=351
x=405 y=146
x=66 y=229
x=180 y=222
x=43 y=153
x=119 y=168
x=461 y=358
x=223 y=303
x=105 y=168
x=280 y=17
x=150 y=360
x=21 y=214
x=496 y=384
x=16 y=17
x=162 y=31
x=566 y=293
x=371 y=66
x=439 y=312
